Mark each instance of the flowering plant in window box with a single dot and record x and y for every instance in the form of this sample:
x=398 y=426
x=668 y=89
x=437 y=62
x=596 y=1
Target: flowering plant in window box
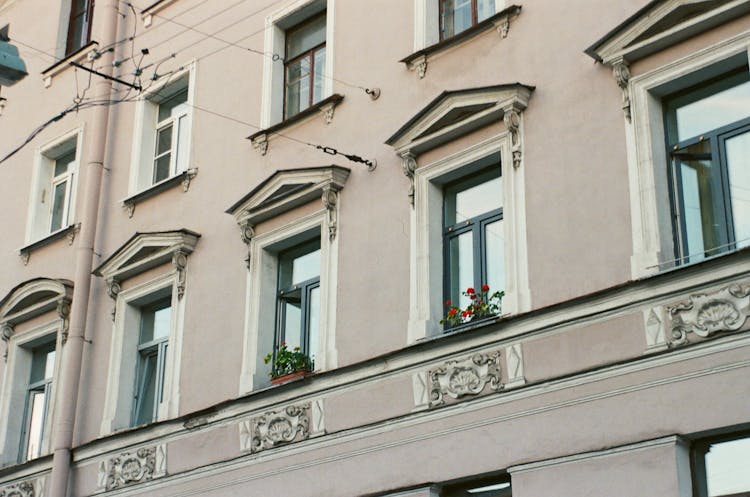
x=288 y=364
x=483 y=304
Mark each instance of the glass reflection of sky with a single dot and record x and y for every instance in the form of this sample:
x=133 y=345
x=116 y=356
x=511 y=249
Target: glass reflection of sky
x=714 y=111
x=727 y=467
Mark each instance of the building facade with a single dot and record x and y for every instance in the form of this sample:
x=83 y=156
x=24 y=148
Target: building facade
x=509 y=240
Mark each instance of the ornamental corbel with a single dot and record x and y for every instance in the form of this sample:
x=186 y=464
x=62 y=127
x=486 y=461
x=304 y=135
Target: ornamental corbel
x=6 y=331
x=327 y=111
x=25 y=256
x=129 y=208
x=247 y=232
x=502 y=26
x=419 y=65
x=73 y=233
x=113 y=290
x=179 y=260
x=409 y=166
x=330 y=201
x=189 y=175
x=63 y=311
x=621 y=72
x=260 y=143
x=512 y=121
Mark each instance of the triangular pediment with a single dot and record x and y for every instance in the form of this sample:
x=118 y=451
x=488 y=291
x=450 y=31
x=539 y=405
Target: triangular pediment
x=33 y=298
x=144 y=251
x=456 y=113
x=663 y=23
x=286 y=189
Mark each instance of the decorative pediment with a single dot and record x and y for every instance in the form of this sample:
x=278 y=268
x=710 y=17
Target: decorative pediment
x=455 y=113
x=33 y=298
x=144 y=251
x=663 y=23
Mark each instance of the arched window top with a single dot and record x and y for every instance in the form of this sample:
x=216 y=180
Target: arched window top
x=33 y=298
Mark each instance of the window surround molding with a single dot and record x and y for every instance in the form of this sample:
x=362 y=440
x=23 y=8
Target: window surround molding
x=142 y=153
x=142 y=252
x=30 y=299
x=280 y=193
x=289 y=14
x=427 y=41
x=36 y=220
x=434 y=126
x=651 y=223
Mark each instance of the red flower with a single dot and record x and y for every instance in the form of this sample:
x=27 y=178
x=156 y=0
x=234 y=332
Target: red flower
x=464 y=314
x=470 y=290
x=283 y=344
x=469 y=312
x=472 y=296
x=448 y=303
x=485 y=287
x=452 y=312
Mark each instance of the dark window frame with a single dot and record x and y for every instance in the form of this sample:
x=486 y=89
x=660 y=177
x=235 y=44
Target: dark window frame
x=474 y=225
x=441 y=19
x=698 y=452
x=87 y=13
x=310 y=54
x=716 y=139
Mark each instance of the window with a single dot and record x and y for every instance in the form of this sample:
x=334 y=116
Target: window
x=304 y=66
x=153 y=341
x=79 y=25
x=38 y=396
x=473 y=235
x=459 y=15
x=708 y=138
x=161 y=148
x=53 y=188
x=486 y=487
x=298 y=299
x=721 y=467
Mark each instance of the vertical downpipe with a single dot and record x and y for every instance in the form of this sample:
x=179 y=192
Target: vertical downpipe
x=72 y=352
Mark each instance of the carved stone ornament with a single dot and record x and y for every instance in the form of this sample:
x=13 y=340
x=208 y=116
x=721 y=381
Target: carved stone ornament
x=512 y=121
x=707 y=314
x=179 y=260
x=129 y=208
x=409 y=165
x=113 y=290
x=6 y=331
x=419 y=65
x=26 y=488
x=327 y=111
x=25 y=256
x=130 y=468
x=71 y=236
x=63 y=310
x=503 y=26
x=283 y=426
x=189 y=175
x=330 y=201
x=247 y=232
x=260 y=143
x=621 y=72
x=463 y=377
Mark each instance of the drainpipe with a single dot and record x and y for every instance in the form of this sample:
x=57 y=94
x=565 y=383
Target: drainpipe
x=72 y=352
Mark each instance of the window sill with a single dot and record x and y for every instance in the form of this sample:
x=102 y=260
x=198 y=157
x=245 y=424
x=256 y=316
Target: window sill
x=68 y=232
x=500 y=21
x=184 y=179
x=472 y=325
x=325 y=107
x=78 y=56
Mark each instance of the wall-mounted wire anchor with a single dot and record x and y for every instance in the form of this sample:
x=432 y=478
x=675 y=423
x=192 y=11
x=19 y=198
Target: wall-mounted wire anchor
x=137 y=71
x=93 y=55
x=371 y=164
x=374 y=93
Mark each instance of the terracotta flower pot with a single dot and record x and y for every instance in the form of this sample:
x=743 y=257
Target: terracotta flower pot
x=297 y=375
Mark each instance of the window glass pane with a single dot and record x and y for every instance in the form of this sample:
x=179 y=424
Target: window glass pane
x=77 y=33
x=703 y=221
x=292 y=315
x=474 y=200
x=58 y=206
x=42 y=364
x=308 y=36
x=456 y=17
x=495 y=256
x=313 y=319
x=461 y=267
x=164 y=139
x=37 y=399
x=738 y=162
x=297 y=86
x=161 y=168
x=173 y=105
x=727 y=468
x=318 y=77
x=155 y=321
x=63 y=162
x=713 y=111
x=182 y=143
x=306 y=267
x=485 y=9
x=147 y=389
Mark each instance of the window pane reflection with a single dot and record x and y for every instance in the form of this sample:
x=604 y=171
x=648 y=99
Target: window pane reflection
x=495 y=256
x=738 y=162
x=37 y=400
x=461 y=255
x=714 y=111
x=727 y=468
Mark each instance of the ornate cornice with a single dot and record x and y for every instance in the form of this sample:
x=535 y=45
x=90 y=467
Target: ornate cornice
x=133 y=467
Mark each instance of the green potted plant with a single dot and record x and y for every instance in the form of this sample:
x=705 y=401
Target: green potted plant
x=482 y=305
x=288 y=364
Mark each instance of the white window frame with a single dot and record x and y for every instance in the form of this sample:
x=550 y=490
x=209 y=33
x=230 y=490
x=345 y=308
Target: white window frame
x=146 y=126
x=427 y=21
x=276 y=25
x=118 y=403
x=262 y=283
x=43 y=181
x=426 y=254
x=651 y=222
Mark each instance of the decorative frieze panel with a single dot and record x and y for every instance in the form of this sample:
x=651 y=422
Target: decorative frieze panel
x=283 y=426
x=458 y=378
x=25 y=488
x=133 y=467
x=654 y=322
x=705 y=314
x=514 y=362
